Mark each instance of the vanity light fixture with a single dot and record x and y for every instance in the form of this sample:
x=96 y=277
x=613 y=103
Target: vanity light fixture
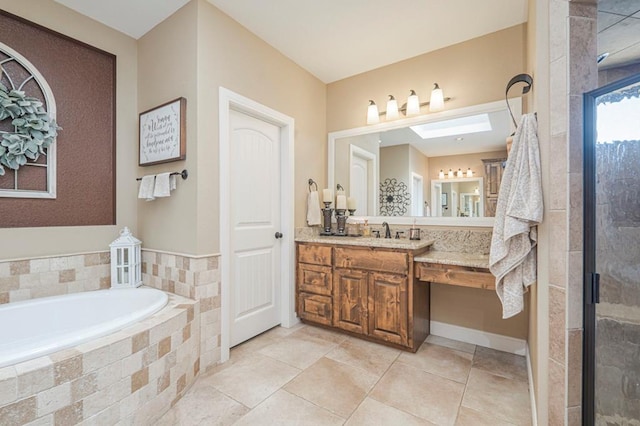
x=437 y=99
x=469 y=172
x=413 y=103
x=441 y=174
x=373 y=116
x=392 y=108
x=460 y=174
x=411 y=107
x=450 y=174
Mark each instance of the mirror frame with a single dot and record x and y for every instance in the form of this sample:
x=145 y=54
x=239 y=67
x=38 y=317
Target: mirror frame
x=516 y=107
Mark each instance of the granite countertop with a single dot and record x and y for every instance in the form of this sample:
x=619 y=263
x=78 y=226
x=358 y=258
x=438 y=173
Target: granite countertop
x=472 y=260
x=400 y=243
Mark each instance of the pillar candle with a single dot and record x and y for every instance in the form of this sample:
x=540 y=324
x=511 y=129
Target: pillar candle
x=351 y=203
x=341 y=202
x=327 y=196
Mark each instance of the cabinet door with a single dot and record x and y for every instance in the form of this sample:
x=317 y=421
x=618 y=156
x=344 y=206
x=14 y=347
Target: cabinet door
x=316 y=308
x=493 y=175
x=388 y=307
x=314 y=279
x=350 y=300
x=490 y=204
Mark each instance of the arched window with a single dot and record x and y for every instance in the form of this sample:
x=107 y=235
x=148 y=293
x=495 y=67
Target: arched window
x=35 y=179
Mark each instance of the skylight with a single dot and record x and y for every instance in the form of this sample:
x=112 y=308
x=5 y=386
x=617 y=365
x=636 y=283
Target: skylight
x=455 y=126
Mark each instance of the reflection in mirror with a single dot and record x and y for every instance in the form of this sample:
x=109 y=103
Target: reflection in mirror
x=405 y=167
x=457 y=197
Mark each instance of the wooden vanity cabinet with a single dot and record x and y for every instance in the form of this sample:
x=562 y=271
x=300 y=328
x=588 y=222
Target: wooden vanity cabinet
x=493 y=169
x=314 y=283
x=374 y=293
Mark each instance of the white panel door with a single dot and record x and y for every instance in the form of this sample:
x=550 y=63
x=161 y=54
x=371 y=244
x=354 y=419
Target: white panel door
x=255 y=221
x=359 y=183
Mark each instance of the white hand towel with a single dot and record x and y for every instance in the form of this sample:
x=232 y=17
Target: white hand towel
x=146 y=188
x=313 y=209
x=163 y=185
x=512 y=257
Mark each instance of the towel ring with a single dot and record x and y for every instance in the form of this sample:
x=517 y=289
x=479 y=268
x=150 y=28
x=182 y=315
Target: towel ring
x=312 y=183
x=520 y=78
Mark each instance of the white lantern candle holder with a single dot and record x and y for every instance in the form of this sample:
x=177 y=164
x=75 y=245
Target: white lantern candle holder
x=126 y=271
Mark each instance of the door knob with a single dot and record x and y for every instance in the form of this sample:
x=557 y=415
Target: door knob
x=278 y=235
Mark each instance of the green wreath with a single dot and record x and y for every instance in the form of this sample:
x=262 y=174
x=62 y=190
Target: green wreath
x=34 y=132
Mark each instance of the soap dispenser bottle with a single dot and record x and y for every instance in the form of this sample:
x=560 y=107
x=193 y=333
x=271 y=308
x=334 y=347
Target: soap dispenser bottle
x=366 y=230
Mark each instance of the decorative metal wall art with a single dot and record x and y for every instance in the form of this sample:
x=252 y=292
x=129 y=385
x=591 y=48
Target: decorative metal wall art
x=395 y=198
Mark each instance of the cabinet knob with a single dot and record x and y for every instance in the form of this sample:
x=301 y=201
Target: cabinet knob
x=278 y=235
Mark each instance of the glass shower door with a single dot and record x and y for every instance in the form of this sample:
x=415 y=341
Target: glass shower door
x=611 y=385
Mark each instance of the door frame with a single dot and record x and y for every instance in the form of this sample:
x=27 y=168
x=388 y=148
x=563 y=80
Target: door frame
x=415 y=206
x=229 y=100
x=356 y=151
x=590 y=291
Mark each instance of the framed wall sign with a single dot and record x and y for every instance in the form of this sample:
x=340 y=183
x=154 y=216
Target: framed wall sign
x=163 y=133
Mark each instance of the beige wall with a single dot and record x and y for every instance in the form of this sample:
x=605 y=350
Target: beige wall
x=167 y=60
x=538 y=100
x=482 y=310
x=30 y=242
x=472 y=73
x=192 y=54
x=232 y=57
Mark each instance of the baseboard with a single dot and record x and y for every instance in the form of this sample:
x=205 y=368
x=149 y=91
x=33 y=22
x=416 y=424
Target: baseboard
x=480 y=338
x=532 y=394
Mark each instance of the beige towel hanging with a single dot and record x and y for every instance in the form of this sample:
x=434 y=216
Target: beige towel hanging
x=165 y=183
x=314 y=216
x=512 y=258
x=146 y=188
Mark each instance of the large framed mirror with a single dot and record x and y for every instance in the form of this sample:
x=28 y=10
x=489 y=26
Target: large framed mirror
x=438 y=169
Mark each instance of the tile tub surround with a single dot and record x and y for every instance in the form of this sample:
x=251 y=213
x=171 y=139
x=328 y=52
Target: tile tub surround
x=25 y=279
x=132 y=376
x=194 y=277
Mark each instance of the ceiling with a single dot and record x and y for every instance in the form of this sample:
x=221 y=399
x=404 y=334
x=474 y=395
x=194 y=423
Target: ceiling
x=332 y=39
x=470 y=143
x=619 y=32
x=335 y=39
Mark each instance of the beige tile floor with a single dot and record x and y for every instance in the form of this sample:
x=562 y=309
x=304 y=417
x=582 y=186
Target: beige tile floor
x=311 y=376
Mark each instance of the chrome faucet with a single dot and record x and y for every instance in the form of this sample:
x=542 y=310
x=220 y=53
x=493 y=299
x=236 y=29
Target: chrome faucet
x=387 y=231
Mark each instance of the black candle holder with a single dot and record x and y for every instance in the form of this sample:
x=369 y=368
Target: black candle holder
x=341 y=218
x=326 y=219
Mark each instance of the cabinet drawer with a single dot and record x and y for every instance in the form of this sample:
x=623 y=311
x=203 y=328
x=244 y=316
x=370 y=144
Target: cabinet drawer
x=315 y=279
x=372 y=260
x=313 y=254
x=456 y=275
x=315 y=308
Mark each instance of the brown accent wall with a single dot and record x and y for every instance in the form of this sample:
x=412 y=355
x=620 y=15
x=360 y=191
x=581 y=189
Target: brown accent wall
x=83 y=82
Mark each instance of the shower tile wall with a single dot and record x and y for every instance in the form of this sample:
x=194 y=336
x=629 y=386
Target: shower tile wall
x=196 y=278
x=50 y=276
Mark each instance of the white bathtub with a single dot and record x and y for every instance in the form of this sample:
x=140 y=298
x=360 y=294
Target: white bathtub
x=39 y=327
